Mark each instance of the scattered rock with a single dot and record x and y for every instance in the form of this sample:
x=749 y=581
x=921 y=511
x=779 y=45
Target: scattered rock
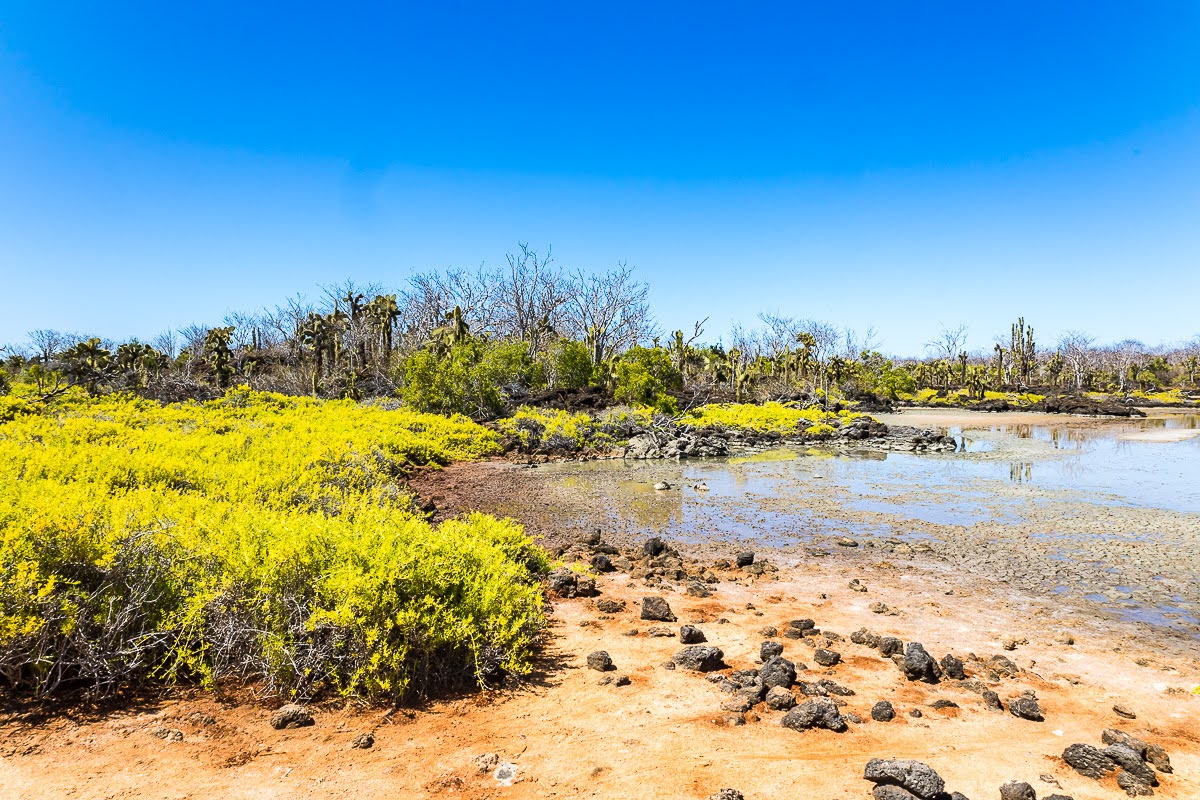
x=992 y=700
x=610 y=606
x=168 y=734
x=1011 y=643
x=768 y=631
x=857 y=586
x=621 y=680
x=1132 y=786
x=662 y=486
x=943 y=703
x=700 y=658
x=846 y=541
x=777 y=671
x=1087 y=761
x=912 y=776
x=697 y=589
x=1026 y=707
x=602 y=563
x=889 y=646
x=827 y=658
x=780 y=698
x=1124 y=711
x=654 y=546
x=690 y=634
x=878 y=607
x=1017 y=790
x=883 y=711
x=802 y=624
x=820 y=712
x=744 y=559
x=660 y=632
x=1158 y=757
x=885 y=792
x=486 y=763
x=599 y=661
x=727 y=794
x=1127 y=759
x=918 y=665
x=656 y=608
x=769 y=650
x=1065 y=638
x=952 y=667
x=364 y=741
x=916 y=713
x=291 y=716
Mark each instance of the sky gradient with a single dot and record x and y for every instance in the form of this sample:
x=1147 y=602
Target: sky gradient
x=901 y=166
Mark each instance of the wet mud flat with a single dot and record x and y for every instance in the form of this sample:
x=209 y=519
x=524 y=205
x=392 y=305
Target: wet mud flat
x=1061 y=511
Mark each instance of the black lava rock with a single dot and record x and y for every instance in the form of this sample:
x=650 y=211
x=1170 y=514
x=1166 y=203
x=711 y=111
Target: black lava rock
x=657 y=609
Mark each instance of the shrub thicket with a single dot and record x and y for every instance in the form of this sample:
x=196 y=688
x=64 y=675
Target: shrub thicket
x=256 y=536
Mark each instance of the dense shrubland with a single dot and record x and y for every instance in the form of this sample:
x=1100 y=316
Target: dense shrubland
x=253 y=537
x=484 y=342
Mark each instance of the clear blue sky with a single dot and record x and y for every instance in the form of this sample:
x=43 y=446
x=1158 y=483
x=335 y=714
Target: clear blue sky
x=891 y=164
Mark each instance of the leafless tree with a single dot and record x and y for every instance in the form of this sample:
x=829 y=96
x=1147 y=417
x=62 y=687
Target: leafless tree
x=949 y=342
x=609 y=311
x=1078 y=351
x=532 y=290
x=48 y=343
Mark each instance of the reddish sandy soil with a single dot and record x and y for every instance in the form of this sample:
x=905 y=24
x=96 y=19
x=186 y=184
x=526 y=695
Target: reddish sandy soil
x=660 y=736
x=663 y=734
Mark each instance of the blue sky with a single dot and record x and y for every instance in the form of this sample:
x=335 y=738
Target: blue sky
x=901 y=166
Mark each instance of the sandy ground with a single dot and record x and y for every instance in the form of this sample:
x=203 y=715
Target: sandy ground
x=664 y=734
x=661 y=736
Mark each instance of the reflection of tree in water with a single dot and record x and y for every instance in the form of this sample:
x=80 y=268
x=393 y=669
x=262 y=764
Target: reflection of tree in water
x=1020 y=472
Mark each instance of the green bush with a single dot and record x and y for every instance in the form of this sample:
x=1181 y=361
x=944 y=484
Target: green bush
x=644 y=375
x=571 y=365
x=474 y=377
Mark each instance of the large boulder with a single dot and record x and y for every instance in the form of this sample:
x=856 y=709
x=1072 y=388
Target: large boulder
x=912 y=776
x=1128 y=759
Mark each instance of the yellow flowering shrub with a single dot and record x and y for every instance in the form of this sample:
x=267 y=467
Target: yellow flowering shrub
x=767 y=417
x=257 y=536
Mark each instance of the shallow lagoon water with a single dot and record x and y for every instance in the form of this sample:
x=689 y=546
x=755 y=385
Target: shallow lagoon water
x=1114 y=518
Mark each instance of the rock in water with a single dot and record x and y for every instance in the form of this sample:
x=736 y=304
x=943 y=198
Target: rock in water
x=700 y=658
x=1088 y=761
x=657 y=609
x=291 y=716
x=819 y=712
x=919 y=665
x=912 y=776
x=1017 y=790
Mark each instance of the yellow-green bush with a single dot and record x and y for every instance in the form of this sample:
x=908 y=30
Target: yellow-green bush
x=556 y=430
x=257 y=536
x=767 y=417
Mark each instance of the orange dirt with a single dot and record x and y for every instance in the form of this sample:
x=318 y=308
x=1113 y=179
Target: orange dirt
x=658 y=737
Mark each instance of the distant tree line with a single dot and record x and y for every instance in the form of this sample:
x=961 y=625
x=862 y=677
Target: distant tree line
x=474 y=341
